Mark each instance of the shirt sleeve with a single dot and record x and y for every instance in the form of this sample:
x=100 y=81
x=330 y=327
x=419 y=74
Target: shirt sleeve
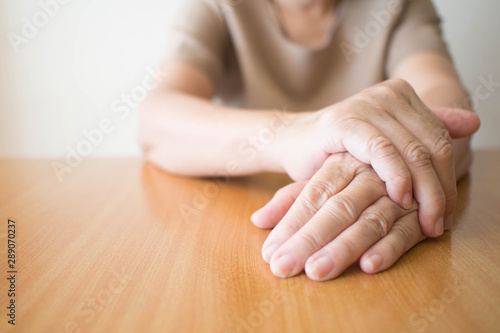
x=199 y=37
x=418 y=29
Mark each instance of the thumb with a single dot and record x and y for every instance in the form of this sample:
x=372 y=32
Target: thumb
x=460 y=123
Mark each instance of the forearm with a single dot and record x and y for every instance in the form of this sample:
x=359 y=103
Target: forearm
x=192 y=136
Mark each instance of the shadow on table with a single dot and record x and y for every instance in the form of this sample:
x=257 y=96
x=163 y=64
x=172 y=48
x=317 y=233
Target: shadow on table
x=463 y=199
x=211 y=201
x=198 y=199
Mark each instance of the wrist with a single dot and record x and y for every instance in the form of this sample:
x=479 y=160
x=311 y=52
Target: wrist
x=277 y=136
x=294 y=149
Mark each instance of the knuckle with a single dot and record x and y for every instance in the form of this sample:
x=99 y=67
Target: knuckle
x=310 y=240
x=353 y=167
x=369 y=98
x=439 y=199
x=417 y=154
x=348 y=124
x=387 y=92
x=377 y=224
x=291 y=227
x=372 y=182
x=316 y=194
x=394 y=248
x=381 y=147
x=404 y=239
x=442 y=147
x=367 y=173
x=403 y=177
x=452 y=195
x=400 y=83
x=406 y=233
x=342 y=208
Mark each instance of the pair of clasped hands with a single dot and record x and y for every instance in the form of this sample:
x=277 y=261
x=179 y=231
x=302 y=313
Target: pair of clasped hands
x=377 y=178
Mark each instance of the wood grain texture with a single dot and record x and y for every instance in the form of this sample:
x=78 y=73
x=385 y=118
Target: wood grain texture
x=120 y=246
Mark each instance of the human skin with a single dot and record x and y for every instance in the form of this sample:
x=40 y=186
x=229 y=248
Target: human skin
x=389 y=126
x=317 y=225
x=168 y=132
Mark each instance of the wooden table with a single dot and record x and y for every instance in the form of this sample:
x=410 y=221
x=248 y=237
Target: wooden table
x=120 y=246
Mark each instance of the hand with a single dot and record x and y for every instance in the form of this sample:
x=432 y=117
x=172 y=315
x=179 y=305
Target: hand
x=389 y=127
x=341 y=215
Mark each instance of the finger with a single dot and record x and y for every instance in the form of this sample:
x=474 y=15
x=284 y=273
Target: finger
x=368 y=144
x=440 y=147
x=404 y=234
x=424 y=145
x=337 y=214
x=268 y=216
x=432 y=168
x=443 y=160
x=373 y=224
x=459 y=123
x=335 y=174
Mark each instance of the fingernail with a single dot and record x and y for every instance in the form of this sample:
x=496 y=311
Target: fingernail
x=408 y=200
x=448 y=222
x=284 y=265
x=439 y=227
x=374 y=262
x=268 y=251
x=319 y=268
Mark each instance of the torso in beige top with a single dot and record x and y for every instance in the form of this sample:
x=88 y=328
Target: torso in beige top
x=243 y=49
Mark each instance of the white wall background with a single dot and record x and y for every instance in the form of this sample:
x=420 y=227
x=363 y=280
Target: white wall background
x=66 y=76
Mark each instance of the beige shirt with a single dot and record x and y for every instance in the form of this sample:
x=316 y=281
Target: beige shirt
x=241 y=47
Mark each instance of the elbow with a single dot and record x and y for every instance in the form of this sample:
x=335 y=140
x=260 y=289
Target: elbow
x=160 y=156
x=156 y=149
x=152 y=149
x=161 y=143
x=166 y=161
x=149 y=139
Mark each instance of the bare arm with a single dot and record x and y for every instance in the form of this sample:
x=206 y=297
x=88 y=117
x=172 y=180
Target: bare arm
x=184 y=132
x=386 y=125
